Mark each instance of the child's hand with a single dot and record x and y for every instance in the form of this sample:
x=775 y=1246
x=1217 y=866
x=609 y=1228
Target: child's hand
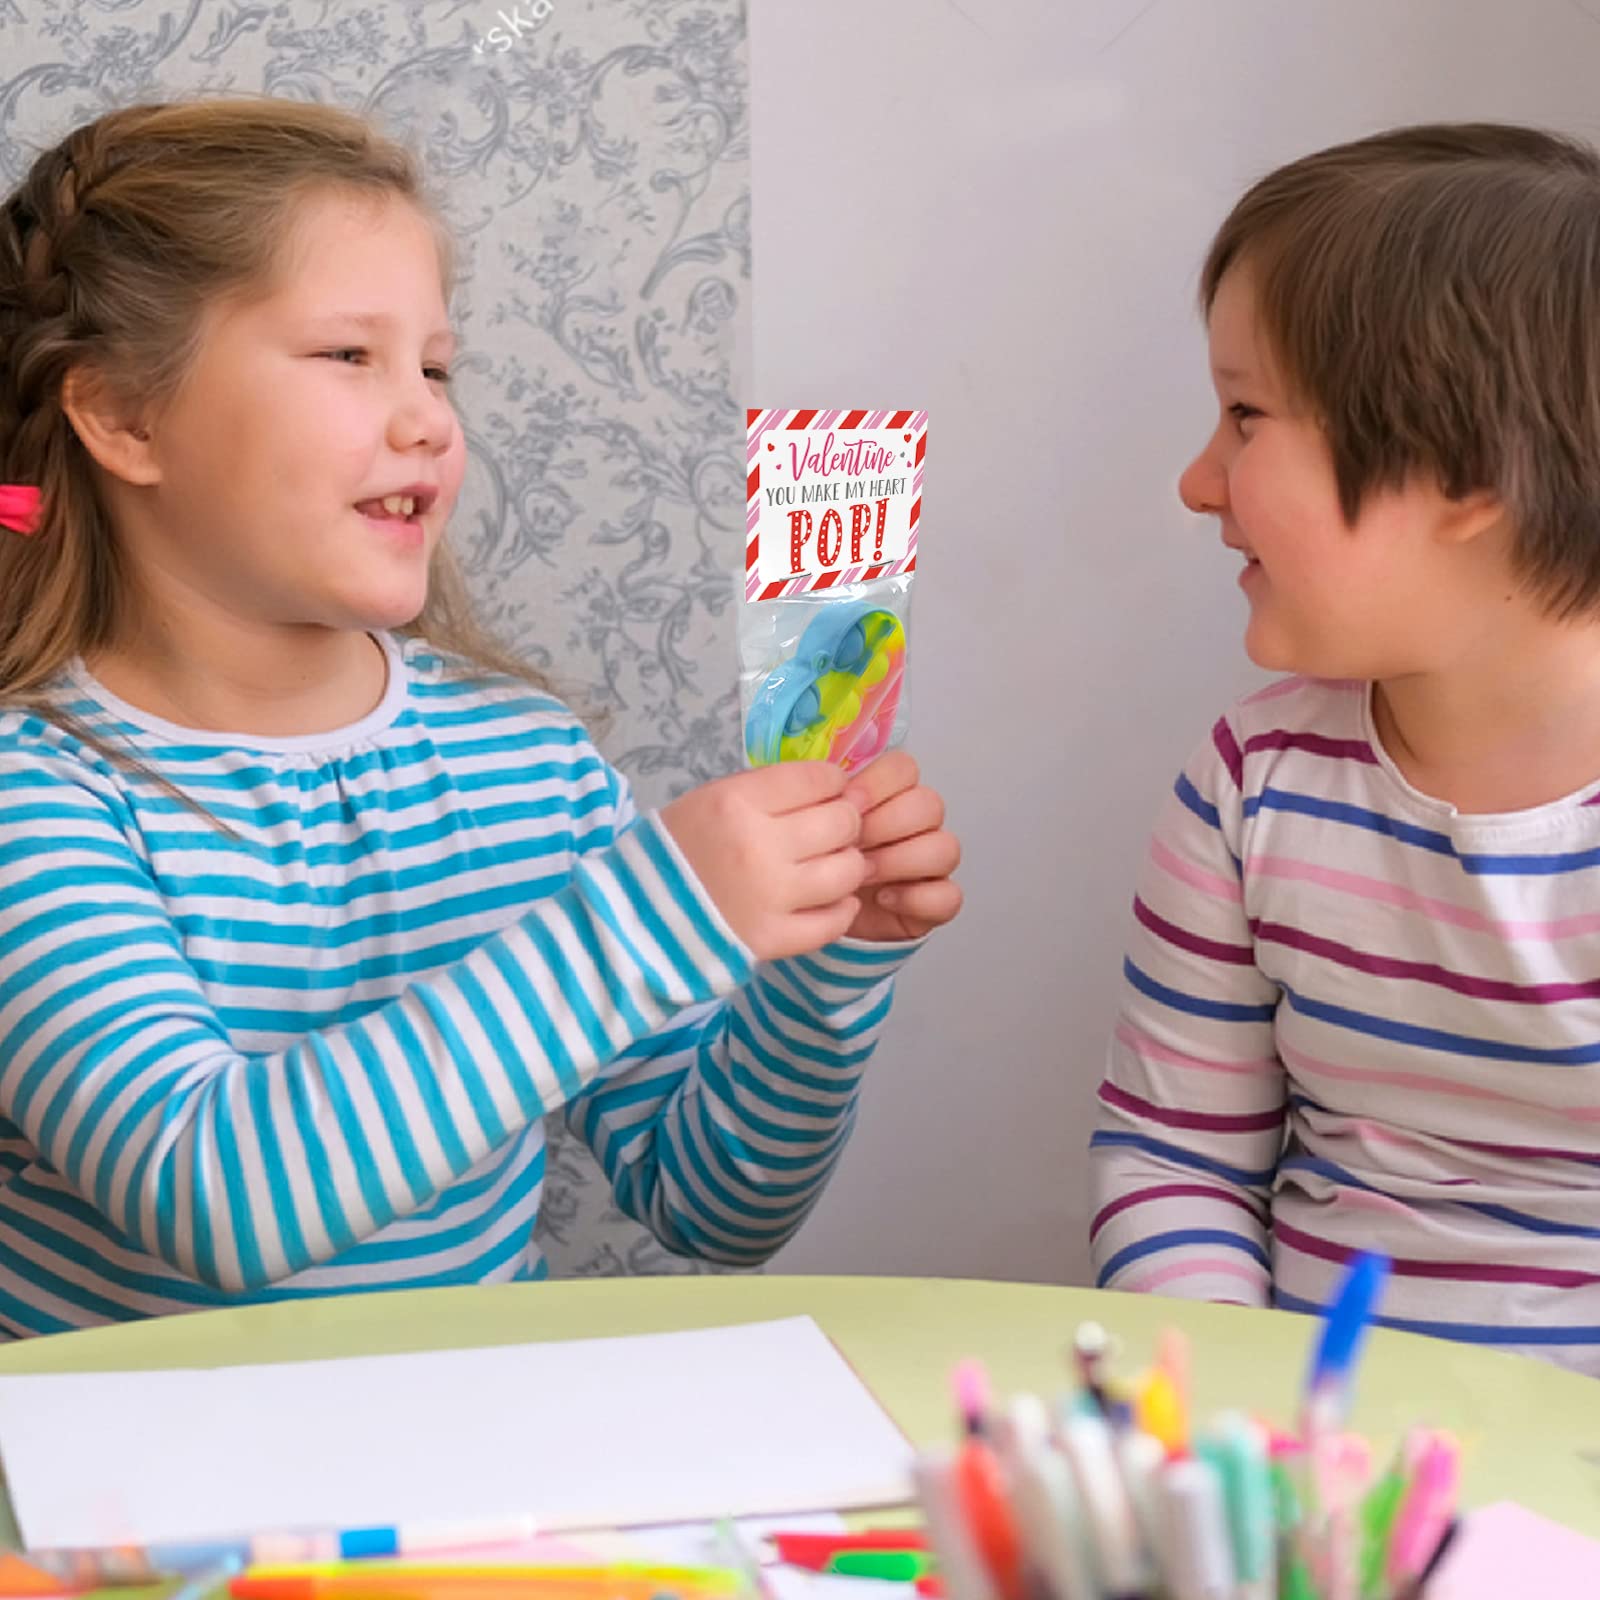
x=909 y=891
x=776 y=849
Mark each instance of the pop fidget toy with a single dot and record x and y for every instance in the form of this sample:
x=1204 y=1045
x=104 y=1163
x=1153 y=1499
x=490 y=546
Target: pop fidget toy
x=835 y=698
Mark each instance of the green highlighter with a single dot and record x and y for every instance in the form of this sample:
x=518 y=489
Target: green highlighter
x=1294 y=1581
x=1297 y=1583
x=1378 y=1513
x=896 y=1566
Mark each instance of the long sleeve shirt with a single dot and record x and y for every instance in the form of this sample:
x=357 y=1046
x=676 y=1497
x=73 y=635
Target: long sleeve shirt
x=1354 y=1018
x=316 y=1056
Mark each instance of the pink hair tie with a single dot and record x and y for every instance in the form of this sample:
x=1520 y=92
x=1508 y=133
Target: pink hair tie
x=19 y=508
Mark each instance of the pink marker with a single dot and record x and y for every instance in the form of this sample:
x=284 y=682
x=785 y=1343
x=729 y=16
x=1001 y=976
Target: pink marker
x=1425 y=1513
x=1343 y=1477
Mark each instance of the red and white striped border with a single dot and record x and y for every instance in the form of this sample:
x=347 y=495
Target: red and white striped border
x=763 y=422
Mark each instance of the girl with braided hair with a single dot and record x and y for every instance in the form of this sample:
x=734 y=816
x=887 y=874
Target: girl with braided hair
x=314 y=902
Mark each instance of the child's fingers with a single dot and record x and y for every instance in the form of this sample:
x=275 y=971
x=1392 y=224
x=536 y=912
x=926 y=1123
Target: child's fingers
x=824 y=879
x=928 y=855
x=820 y=830
x=790 y=785
x=935 y=902
x=810 y=930
x=886 y=776
x=912 y=811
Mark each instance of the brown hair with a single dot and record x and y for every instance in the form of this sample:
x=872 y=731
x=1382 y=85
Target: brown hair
x=110 y=250
x=1432 y=296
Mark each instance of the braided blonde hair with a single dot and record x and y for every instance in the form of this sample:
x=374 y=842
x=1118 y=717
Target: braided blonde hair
x=110 y=250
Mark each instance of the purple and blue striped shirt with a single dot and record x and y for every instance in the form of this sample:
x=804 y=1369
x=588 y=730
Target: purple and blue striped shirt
x=1355 y=1018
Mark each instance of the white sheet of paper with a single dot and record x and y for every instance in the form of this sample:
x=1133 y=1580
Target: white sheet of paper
x=758 y=1419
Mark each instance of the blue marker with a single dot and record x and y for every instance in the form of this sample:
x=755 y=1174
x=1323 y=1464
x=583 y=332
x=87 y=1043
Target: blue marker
x=1329 y=1382
x=1343 y=1332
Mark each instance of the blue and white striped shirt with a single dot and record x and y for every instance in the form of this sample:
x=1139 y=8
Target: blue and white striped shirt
x=316 y=1059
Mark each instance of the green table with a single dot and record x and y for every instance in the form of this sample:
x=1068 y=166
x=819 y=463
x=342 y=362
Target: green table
x=1531 y=1431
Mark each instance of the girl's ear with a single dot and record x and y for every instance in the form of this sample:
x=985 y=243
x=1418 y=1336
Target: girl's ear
x=110 y=429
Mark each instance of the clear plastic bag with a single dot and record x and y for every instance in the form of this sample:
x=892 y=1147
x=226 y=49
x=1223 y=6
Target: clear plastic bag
x=823 y=674
x=824 y=626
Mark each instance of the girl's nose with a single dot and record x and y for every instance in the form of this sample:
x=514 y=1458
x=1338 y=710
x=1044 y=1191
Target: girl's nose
x=423 y=416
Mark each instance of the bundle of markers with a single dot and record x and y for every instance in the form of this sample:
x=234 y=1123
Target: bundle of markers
x=1110 y=1495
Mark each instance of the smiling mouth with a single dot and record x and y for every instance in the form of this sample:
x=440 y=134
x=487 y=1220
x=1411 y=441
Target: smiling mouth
x=396 y=511
x=401 y=532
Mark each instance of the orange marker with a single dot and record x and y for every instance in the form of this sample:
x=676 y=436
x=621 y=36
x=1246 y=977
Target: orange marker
x=1172 y=1357
x=980 y=1482
x=18 y=1577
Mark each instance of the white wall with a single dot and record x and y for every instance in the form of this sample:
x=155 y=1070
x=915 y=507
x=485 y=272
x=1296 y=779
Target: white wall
x=996 y=209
